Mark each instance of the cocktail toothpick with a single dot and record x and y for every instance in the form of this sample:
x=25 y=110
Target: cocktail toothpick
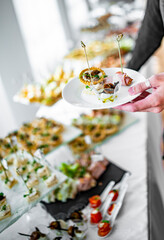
x=84 y=46
x=29 y=189
x=5 y=172
x=119 y=37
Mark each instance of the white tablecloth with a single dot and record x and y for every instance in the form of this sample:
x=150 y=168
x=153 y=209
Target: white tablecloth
x=129 y=151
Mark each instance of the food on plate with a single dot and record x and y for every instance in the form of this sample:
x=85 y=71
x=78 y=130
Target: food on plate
x=100 y=123
x=98 y=85
x=99 y=135
x=76 y=216
x=41 y=133
x=111 y=208
x=125 y=79
x=2 y=199
x=79 y=145
x=95 y=216
x=116 y=194
x=72 y=231
x=95 y=201
x=32 y=181
x=6 y=177
x=43 y=171
x=85 y=183
x=5 y=210
x=104 y=228
x=32 y=195
x=51 y=180
x=98 y=167
x=35 y=235
x=91 y=75
x=82 y=175
x=46 y=93
x=58 y=225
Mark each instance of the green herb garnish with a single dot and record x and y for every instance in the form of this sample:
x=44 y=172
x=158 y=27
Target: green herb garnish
x=105 y=221
x=54 y=138
x=46 y=134
x=4 y=208
x=44 y=178
x=43 y=146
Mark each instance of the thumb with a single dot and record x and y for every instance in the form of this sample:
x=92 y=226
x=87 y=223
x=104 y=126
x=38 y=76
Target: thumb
x=142 y=86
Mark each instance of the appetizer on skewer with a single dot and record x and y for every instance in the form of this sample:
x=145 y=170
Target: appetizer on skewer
x=72 y=231
x=35 y=235
x=95 y=81
x=124 y=78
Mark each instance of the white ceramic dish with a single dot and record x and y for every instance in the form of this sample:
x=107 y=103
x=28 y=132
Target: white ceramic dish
x=72 y=92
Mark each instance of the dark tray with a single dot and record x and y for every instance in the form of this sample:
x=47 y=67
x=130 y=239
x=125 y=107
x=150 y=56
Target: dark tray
x=62 y=210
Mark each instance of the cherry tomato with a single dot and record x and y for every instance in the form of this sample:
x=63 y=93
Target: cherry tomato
x=115 y=191
x=96 y=216
x=104 y=228
x=110 y=209
x=95 y=201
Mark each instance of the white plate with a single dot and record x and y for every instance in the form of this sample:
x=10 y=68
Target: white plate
x=72 y=92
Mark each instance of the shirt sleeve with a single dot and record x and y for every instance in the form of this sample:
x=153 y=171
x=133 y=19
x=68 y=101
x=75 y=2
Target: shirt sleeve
x=149 y=37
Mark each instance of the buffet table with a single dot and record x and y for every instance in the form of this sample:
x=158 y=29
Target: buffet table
x=137 y=150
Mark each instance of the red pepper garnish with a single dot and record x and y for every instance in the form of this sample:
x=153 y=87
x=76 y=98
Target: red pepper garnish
x=115 y=191
x=110 y=209
x=95 y=201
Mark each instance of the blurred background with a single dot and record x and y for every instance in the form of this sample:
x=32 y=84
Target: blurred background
x=40 y=48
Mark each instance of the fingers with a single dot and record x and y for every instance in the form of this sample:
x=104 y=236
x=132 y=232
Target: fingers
x=152 y=82
x=140 y=105
x=141 y=96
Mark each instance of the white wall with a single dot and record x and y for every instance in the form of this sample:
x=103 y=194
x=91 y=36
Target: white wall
x=13 y=63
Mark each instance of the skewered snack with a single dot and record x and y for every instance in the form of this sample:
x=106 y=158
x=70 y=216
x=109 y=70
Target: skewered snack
x=124 y=78
x=5 y=210
x=99 y=87
x=35 y=235
x=93 y=74
x=72 y=231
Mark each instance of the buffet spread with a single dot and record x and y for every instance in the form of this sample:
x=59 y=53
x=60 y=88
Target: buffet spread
x=26 y=177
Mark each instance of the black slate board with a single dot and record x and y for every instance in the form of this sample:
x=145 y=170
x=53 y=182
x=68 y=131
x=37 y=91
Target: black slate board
x=62 y=210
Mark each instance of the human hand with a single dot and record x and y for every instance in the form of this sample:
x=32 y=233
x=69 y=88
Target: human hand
x=147 y=102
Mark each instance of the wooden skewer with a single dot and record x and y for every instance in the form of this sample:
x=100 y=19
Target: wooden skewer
x=24 y=234
x=119 y=37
